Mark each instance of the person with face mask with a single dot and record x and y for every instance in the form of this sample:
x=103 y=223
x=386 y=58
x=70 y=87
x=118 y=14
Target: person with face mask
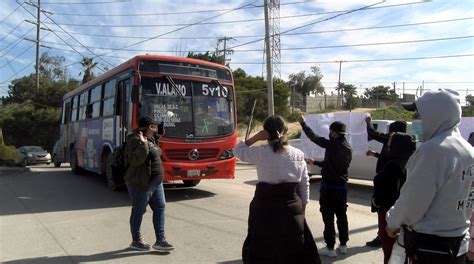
x=333 y=191
x=382 y=159
x=388 y=181
x=144 y=179
x=433 y=210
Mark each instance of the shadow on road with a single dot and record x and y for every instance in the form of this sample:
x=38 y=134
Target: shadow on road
x=105 y=256
x=55 y=191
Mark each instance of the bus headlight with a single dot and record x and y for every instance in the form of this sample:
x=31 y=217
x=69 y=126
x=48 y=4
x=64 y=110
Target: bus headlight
x=227 y=154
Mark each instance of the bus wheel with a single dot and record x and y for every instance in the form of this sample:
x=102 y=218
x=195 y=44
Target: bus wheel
x=56 y=163
x=114 y=182
x=191 y=183
x=73 y=162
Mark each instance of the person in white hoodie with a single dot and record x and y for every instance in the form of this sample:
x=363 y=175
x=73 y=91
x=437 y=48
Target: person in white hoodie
x=436 y=201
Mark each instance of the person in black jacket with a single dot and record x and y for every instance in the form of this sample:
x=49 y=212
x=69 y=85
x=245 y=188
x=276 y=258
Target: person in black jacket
x=333 y=191
x=388 y=181
x=372 y=134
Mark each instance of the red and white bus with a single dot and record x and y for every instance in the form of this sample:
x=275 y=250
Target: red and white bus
x=195 y=99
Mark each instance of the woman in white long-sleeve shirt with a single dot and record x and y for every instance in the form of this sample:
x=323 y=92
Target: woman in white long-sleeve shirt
x=277 y=229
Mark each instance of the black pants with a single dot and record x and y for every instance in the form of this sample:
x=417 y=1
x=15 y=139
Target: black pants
x=334 y=202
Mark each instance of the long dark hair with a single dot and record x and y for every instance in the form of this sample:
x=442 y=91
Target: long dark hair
x=276 y=128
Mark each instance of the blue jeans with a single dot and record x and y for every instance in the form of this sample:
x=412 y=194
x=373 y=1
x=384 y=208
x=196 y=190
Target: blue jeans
x=155 y=197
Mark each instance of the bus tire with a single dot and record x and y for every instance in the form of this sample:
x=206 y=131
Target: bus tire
x=56 y=163
x=191 y=183
x=114 y=180
x=73 y=162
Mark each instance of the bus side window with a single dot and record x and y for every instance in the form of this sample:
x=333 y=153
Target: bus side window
x=93 y=109
x=75 y=104
x=118 y=105
x=67 y=113
x=109 y=98
x=83 y=98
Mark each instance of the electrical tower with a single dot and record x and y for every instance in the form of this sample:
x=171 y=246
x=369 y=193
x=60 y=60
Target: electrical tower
x=275 y=48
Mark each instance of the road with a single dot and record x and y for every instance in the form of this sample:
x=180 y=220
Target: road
x=49 y=215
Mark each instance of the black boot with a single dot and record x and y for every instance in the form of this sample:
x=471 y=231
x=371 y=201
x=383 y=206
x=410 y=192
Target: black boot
x=374 y=243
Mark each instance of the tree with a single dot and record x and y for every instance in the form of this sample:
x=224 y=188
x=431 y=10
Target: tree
x=207 y=56
x=51 y=68
x=350 y=95
x=305 y=85
x=470 y=100
x=239 y=73
x=381 y=92
x=249 y=88
x=89 y=66
x=23 y=124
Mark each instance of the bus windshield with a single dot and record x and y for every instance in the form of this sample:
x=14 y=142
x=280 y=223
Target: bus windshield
x=205 y=110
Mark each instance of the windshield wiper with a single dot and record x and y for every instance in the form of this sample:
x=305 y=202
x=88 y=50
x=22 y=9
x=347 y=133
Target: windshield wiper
x=229 y=95
x=173 y=84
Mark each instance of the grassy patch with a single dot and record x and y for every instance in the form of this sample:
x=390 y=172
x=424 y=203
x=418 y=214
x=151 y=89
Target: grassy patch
x=392 y=113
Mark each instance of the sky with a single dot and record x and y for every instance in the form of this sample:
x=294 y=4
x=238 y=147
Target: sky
x=411 y=43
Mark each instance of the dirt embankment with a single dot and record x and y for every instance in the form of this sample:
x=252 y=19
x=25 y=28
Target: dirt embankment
x=293 y=128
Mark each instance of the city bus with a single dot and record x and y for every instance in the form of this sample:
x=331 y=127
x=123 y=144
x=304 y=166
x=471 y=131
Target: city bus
x=194 y=99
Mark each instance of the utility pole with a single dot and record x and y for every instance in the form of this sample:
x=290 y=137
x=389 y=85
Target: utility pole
x=224 y=39
x=403 y=89
x=339 y=90
x=269 y=62
x=38 y=8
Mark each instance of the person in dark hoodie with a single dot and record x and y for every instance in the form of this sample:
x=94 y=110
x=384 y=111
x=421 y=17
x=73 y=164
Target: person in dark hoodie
x=388 y=181
x=372 y=134
x=144 y=179
x=277 y=229
x=333 y=191
x=435 y=203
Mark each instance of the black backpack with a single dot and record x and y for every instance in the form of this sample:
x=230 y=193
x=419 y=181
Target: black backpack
x=119 y=162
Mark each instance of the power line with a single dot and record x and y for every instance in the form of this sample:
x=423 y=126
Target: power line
x=8 y=34
x=170 y=13
x=308 y=24
x=59 y=36
x=225 y=22
x=172 y=31
x=11 y=13
x=293 y=48
x=15 y=74
x=366 y=60
x=20 y=39
x=78 y=42
x=289 y=34
x=87 y=3
x=23 y=52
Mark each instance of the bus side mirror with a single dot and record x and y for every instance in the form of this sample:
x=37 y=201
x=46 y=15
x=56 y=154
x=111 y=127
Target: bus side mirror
x=136 y=94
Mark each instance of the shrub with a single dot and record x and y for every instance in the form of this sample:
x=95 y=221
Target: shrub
x=9 y=156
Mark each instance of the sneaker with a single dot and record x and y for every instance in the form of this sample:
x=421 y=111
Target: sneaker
x=328 y=252
x=342 y=249
x=374 y=243
x=163 y=246
x=140 y=245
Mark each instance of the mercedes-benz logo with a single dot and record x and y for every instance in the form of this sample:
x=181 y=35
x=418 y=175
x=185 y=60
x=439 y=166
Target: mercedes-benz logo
x=193 y=154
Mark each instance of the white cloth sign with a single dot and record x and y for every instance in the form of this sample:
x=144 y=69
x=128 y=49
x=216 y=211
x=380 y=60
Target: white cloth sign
x=466 y=127
x=319 y=123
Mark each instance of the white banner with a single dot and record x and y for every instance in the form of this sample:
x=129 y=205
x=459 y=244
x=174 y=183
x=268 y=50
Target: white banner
x=466 y=127
x=356 y=129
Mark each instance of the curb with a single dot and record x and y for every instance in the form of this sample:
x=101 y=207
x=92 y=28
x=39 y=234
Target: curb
x=13 y=170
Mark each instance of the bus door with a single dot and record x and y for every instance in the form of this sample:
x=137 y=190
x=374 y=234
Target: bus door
x=123 y=109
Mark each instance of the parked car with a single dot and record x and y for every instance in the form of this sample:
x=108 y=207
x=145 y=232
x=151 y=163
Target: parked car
x=34 y=155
